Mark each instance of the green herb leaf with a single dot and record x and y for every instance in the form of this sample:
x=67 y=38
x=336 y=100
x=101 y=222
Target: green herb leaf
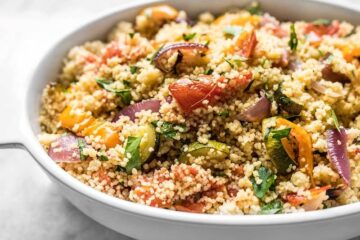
x=125 y=94
x=133 y=69
x=293 y=42
x=224 y=113
x=133 y=148
x=154 y=55
x=273 y=207
x=268 y=179
x=82 y=145
x=230 y=63
x=208 y=71
x=233 y=30
x=169 y=130
x=207 y=43
x=335 y=120
x=254 y=9
x=281 y=133
x=131 y=35
x=321 y=21
x=103 y=157
x=188 y=37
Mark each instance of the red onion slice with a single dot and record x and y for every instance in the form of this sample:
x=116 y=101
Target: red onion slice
x=65 y=149
x=131 y=110
x=318 y=87
x=329 y=75
x=336 y=143
x=186 y=52
x=257 y=112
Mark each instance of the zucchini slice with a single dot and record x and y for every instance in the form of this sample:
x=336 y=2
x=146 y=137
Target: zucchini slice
x=285 y=103
x=279 y=149
x=213 y=149
x=149 y=144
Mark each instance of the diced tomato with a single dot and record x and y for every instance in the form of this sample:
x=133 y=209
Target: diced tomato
x=317 y=196
x=322 y=29
x=191 y=95
x=245 y=44
x=103 y=176
x=192 y=207
x=113 y=49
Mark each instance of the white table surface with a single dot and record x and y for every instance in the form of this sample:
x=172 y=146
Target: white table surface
x=30 y=206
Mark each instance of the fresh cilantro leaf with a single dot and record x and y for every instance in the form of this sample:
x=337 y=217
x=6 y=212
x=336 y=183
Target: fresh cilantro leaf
x=169 y=130
x=335 y=120
x=131 y=35
x=82 y=145
x=188 y=37
x=267 y=180
x=224 y=113
x=254 y=9
x=233 y=30
x=273 y=207
x=321 y=21
x=133 y=69
x=133 y=148
x=125 y=94
x=293 y=42
x=208 y=71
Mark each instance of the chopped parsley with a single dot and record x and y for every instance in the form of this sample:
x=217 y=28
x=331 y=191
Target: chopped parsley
x=273 y=207
x=188 y=37
x=208 y=71
x=230 y=63
x=132 y=148
x=335 y=120
x=267 y=180
x=254 y=9
x=103 y=157
x=131 y=35
x=82 y=145
x=224 y=113
x=169 y=130
x=133 y=69
x=293 y=42
x=125 y=94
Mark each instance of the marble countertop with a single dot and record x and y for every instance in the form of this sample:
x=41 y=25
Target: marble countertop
x=30 y=206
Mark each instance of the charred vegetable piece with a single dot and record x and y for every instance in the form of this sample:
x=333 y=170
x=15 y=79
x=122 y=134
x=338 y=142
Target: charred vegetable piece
x=256 y=112
x=329 y=75
x=280 y=154
x=305 y=158
x=191 y=95
x=213 y=149
x=130 y=111
x=337 y=151
x=65 y=149
x=149 y=144
x=189 y=54
x=285 y=103
x=83 y=124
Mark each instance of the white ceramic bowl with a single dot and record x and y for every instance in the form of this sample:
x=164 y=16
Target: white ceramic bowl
x=143 y=222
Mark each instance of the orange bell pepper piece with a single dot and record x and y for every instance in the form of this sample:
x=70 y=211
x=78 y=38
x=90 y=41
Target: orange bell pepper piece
x=304 y=143
x=84 y=124
x=161 y=13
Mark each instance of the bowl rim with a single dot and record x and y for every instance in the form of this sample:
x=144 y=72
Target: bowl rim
x=31 y=143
